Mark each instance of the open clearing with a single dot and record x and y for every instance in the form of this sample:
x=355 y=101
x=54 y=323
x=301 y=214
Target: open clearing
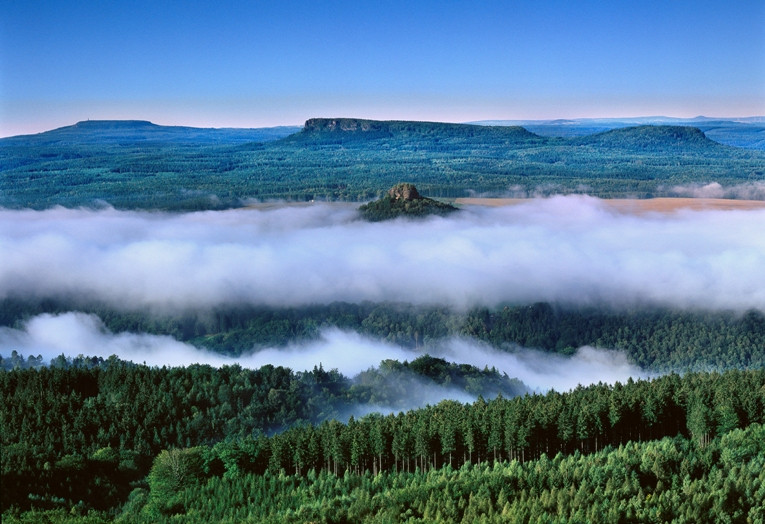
x=636 y=205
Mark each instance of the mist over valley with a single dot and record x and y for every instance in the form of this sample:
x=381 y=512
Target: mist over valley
x=417 y=262
x=218 y=299
x=568 y=250
x=299 y=286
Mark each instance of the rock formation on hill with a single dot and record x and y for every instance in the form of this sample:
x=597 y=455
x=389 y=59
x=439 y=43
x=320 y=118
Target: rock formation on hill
x=403 y=200
x=404 y=192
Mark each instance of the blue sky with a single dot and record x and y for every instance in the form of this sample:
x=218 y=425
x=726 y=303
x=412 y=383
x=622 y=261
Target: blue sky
x=254 y=64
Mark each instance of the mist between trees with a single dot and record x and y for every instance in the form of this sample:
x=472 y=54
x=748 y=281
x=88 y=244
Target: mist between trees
x=555 y=284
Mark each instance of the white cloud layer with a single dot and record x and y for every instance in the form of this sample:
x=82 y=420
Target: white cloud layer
x=570 y=249
x=747 y=190
x=542 y=371
x=75 y=334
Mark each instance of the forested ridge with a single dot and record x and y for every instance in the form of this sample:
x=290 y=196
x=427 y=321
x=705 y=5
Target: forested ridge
x=403 y=200
x=123 y=132
x=358 y=160
x=667 y=480
x=657 y=339
x=99 y=439
x=161 y=441
x=198 y=443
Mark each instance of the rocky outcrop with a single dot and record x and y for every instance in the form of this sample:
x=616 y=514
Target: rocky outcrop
x=403 y=200
x=404 y=191
x=338 y=124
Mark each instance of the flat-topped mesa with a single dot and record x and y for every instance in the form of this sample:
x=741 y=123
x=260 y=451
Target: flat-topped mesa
x=412 y=133
x=404 y=191
x=339 y=124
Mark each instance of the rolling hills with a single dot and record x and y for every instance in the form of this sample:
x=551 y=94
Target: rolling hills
x=267 y=443
x=739 y=132
x=137 y=164
x=141 y=131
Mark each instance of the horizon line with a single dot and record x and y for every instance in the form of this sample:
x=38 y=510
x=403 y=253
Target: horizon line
x=752 y=118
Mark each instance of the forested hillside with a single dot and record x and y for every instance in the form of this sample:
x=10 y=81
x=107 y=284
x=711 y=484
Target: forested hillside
x=739 y=132
x=657 y=339
x=464 y=335
x=153 y=439
x=124 y=132
x=353 y=160
x=403 y=200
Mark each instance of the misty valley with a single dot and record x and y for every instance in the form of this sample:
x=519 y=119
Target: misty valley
x=176 y=347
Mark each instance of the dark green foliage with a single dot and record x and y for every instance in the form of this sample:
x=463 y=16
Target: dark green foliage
x=670 y=480
x=656 y=339
x=114 y=419
x=76 y=515
x=399 y=203
x=393 y=382
x=174 y=471
x=356 y=161
x=667 y=480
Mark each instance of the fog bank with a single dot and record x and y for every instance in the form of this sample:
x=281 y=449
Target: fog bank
x=75 y=334
x=564 y=249
x=744 y=191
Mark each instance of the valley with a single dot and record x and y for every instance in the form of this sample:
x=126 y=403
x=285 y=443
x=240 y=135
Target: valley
x=382 y=321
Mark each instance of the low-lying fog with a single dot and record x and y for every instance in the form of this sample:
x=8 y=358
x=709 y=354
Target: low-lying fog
x=563 y=249
x=348 y=352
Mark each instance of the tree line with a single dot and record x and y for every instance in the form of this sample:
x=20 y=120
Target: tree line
x=658 y=339
x=672 y=479
x=442 y=160
x=97 y=431
x=65 y=425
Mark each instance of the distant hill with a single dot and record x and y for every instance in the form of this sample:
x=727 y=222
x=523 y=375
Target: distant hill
x=403 y=200
x=339 y=130
x=748 y=132
x=430 y=135
x=137 y=164
x=650 y=137
x=137 y=131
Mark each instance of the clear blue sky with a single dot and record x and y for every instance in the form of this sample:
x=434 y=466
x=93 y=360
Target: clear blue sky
x=263 y=63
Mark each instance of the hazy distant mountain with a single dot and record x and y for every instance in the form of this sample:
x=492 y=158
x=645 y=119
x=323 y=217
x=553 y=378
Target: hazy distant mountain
x=624 y=121
x=649 y=137
x=132 y=131
x=137 y=164
x=748 y=132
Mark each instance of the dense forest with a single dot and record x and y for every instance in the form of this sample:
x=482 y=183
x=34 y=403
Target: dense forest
x=744 y=132
x=657 y=339
x=403 y=200
x=147 y=444
x=95 y=438
x=356 y=160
